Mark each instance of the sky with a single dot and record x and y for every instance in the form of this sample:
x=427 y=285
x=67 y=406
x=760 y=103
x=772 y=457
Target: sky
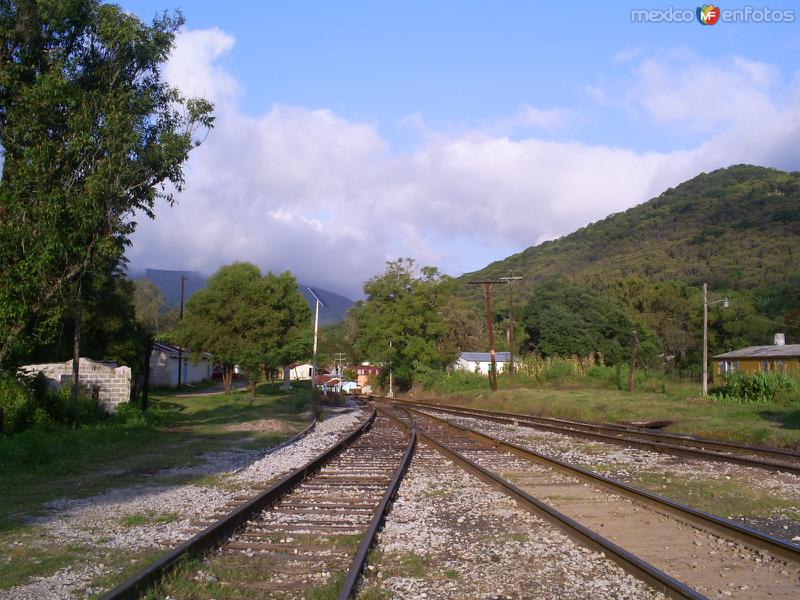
x=456 y=133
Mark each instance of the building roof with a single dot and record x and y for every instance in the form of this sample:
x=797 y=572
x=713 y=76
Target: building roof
x=773 y=351
x=326 y=378
x=172 y=351
x=485 y=356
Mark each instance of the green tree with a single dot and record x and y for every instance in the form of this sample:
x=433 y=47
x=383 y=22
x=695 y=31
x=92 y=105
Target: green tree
x=566 y=319
x=401 y=321
x=246 y=319
x=91 y=135
x=150 y=304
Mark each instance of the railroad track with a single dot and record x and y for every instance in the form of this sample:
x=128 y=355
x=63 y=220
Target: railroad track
x=676 y=549
x=762 y=457
x=312 y=528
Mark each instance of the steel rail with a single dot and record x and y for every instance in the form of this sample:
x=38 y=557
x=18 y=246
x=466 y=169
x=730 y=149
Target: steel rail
x=630 y=429
x=215 y=533
x=632 y=564
x=701 y=519
x=664 y=448
x=353 y=575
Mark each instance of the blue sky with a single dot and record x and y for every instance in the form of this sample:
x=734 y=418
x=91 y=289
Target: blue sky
x=417 y=98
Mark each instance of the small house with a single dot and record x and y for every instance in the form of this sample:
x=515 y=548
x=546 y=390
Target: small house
x=164 y=366
x=778 y=358
x=364 y=371
x=300 y=371
x=481 y=362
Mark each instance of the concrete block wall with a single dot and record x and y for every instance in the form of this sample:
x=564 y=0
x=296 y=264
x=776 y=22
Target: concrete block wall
x=111 y=382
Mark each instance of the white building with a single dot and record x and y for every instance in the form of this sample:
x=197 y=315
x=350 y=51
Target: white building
x=481 y=362
x=300 y=372
x=164 y=366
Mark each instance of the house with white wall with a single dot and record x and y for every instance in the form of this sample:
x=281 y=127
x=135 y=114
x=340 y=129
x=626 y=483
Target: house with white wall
x=300 y=371
x=164 y=366
x=481 y=362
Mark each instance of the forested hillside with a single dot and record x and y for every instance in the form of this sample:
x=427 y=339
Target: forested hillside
x=736 y=228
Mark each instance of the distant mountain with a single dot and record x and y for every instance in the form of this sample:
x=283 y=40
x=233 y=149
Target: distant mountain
x=169 y=282
x=337 y=305
x=736 y=228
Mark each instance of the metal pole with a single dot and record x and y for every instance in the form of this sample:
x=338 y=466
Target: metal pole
x=314 y=359
x=510 y=328
x=180 y=350
x=705 y=339
x=391 y=381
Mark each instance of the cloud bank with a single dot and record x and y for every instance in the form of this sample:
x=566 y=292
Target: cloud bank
x=324 y=196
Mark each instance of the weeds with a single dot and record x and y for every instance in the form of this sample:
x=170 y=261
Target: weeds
x=757 y=387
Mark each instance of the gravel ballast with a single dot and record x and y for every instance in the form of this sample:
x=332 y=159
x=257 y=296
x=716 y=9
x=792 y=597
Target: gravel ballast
x=99 y=523
x=450 y=536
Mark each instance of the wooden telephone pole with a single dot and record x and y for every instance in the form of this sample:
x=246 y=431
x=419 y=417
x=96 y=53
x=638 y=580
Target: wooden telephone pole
x=510 y=281
x=632 y=375
x=487 y=293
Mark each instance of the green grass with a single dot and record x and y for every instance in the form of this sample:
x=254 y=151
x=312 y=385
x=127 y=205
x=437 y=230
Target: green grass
x=148 y=518
x=25 y=556
x=328 y=591
x=589 y=399
x=724 y=497
x=400 y=564
x=38 y=466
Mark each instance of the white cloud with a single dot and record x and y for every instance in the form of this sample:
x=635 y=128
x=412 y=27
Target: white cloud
x=307 y=190
x=679 y=87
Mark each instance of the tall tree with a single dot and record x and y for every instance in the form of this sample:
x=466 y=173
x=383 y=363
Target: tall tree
x=564 y=318
x=91 y=135
x=401 y=322
x=149 y=303
x=246 y=319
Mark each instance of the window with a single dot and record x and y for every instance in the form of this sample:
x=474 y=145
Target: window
x=765 y=366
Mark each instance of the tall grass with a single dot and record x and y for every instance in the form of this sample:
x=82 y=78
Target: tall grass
x=756 y=387
x=534 y=370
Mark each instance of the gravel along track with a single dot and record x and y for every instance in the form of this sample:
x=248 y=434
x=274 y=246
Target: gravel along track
x=307 y=538
x=96 y=523
x=451 y=536
x=714 y=566
x=630 y=465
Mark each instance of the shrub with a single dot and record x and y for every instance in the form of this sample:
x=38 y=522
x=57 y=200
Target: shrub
x=756 y=387
x=27 y=402
x=457 y=381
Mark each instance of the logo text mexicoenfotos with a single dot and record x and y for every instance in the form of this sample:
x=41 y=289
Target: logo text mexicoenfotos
x=710 y=15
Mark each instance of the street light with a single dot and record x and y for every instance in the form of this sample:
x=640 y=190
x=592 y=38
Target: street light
x=725 y=303
x=319 y=301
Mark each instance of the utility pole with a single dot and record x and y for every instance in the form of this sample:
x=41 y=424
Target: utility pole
x=76 y=351
x=510 y=281
x=705 y=339
x=487 y=293
x=391 y=381
x=180 y=350
x=726 y=303
x=634 y=345
x=319 y=302
x=339 y=360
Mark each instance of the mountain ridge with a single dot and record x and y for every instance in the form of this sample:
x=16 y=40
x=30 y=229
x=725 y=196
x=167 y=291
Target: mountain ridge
x=168 y=281
x=707 y=229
